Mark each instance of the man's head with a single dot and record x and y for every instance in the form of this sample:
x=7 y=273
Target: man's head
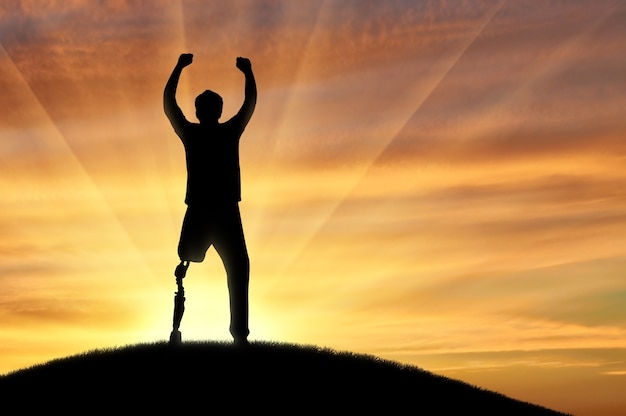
x=209 y=107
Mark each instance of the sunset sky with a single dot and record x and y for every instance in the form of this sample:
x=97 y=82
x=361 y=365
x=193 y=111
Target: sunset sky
x=440 y=183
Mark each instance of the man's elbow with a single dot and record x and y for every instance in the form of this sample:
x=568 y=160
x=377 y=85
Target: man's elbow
x=251 y=96
x=168 y=104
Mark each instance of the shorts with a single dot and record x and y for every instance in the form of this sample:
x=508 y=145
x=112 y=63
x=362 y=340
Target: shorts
x=204 y=226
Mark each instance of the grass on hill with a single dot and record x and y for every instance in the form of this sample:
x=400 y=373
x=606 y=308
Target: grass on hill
x=218 y=378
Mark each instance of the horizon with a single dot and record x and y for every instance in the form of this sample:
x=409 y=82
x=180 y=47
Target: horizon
x=436 y=183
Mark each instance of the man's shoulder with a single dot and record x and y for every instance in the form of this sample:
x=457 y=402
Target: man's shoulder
x=233 y=126
x=189 y=130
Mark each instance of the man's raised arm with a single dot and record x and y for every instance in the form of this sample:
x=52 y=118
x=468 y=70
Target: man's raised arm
x=172 y=110
x=245 y=112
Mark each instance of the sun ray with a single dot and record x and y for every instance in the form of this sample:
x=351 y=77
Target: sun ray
x=71 y=163
x=300 y=69
x=359 y=173
x=154 y=158
x=132 y=122
x=558 y=61
x=560 y=58
x=281 y=110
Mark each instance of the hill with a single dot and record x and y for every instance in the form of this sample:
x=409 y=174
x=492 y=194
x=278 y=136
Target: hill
x=213 y=377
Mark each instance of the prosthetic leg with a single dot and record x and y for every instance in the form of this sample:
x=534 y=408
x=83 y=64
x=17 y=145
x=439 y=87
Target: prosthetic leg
x=179 y=302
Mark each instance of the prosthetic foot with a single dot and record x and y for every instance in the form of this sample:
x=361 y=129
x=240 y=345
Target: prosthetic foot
x=179 y=302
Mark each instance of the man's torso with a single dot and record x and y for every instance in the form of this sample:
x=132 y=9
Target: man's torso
x=212 y=157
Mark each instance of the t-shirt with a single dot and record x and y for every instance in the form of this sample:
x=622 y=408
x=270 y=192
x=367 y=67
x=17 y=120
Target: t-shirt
x=212 y=158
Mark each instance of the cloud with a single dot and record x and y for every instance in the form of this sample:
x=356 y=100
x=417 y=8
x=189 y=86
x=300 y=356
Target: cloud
x=512 y=95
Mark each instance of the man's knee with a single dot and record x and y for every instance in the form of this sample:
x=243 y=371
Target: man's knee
x=239 y=270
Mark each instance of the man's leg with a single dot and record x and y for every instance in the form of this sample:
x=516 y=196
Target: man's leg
x=195 y=235
x=231 y=247
x=193 y=244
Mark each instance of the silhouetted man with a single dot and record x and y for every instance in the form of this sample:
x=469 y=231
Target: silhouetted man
x=214 y=186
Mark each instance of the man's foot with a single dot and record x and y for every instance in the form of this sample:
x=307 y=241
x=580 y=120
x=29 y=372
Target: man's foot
x=241 y=342
x=176 y=338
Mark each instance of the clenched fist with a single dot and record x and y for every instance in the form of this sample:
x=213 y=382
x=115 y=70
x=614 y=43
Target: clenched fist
x=185 y=59
x=244 y=64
